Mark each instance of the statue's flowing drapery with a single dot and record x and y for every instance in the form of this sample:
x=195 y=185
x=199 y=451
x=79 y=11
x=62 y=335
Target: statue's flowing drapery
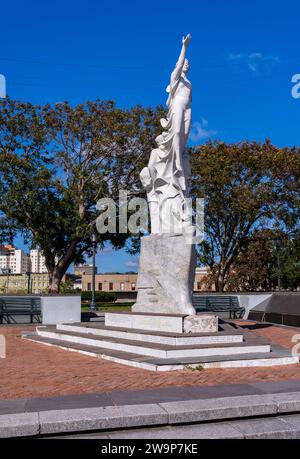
x=168 y=169
x=168 y=257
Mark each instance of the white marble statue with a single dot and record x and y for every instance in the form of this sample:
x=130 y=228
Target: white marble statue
x=168 y=258
x=166 y=176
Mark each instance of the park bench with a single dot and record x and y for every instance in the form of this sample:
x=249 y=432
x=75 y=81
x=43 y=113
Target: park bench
x=11 y=306
x=226 y=304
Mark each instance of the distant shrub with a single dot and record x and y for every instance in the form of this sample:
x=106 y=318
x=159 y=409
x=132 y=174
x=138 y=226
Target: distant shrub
x=100 y=297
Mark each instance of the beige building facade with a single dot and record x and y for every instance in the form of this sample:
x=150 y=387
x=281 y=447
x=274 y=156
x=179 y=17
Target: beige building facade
x=81 y=269
x=18 y=283
x=110 y=282
x=114 y=282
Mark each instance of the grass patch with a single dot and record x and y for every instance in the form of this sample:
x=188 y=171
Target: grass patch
x=107 y=307
x=196 y=368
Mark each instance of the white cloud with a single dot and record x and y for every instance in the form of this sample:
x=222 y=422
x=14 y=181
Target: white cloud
x=131 y=264
x=255 y=62
x=106 y=250
x=200 y=131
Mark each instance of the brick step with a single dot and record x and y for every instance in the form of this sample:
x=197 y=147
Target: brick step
x=278 y=356
x=252 y=345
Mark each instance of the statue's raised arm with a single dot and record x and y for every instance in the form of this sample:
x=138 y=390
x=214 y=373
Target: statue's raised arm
x=166 y=177
x=181 y=60
x=166 y=181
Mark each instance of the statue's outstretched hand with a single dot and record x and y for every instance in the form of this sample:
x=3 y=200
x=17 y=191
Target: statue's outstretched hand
x=186 y=40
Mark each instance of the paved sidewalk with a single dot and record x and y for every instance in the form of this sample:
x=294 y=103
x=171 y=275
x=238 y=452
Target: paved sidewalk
x=142 y=397
x=280 y=410
x=37 y=371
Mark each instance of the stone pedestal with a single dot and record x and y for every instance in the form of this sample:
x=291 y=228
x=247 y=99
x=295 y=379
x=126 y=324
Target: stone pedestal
x=166 y=275
x=171 y=323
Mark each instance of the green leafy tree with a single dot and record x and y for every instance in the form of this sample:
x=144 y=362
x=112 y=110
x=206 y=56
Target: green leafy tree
x=246 y=187
x=56 y=162
x=254 y=266
x=289 y=259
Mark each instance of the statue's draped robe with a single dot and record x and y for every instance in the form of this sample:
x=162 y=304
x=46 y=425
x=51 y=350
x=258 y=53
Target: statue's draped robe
x=168 y=164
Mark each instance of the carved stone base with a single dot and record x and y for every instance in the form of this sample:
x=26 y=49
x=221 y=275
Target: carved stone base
x=172 y=323
x=166 y=275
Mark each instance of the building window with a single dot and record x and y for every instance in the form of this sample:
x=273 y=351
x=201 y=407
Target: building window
x=111 y=286
x=89 y=286
x=100 y=286
x=133 y=285
x=122 y=286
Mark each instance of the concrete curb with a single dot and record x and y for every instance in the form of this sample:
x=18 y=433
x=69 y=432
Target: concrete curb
x=193 y=411
x=111 y=417
x=19 y=425
x=136 y=416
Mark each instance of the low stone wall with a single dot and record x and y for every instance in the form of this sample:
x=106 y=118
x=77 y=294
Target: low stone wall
x=251 y=300
x=53 y=309
x=280 y=308
x=60 y=309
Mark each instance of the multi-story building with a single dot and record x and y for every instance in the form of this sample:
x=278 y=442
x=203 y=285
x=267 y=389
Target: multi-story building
x=127 y=283
x=22 y=283
x=37 y=261
x=19 y=262
x=4 y=257
x=84 y=269
x=110 y=282
x=14 y=259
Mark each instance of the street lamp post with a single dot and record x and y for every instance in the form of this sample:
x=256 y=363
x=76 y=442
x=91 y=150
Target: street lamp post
x=93 y=303
x=28 y=281
x=277 y=245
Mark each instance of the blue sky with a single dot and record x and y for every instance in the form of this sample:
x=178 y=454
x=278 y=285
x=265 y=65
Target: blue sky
x=242 y=54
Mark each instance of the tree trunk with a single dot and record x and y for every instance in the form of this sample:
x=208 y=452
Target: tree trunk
x=57 y=272
x=220 y=280
x=55 y=278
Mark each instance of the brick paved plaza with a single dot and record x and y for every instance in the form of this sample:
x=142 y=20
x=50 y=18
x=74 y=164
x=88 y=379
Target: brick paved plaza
x=36 y=370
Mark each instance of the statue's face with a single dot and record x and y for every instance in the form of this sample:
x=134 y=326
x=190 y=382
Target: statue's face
x=186 y=66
